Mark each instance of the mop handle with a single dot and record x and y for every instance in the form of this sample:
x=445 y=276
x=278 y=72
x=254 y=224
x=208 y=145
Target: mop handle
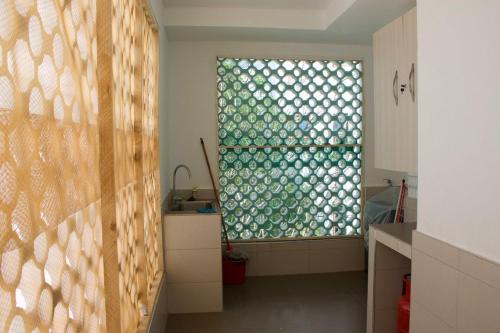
x=216 y=193
x=401 y=200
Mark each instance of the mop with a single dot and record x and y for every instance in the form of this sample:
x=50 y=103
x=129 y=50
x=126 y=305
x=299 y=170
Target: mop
x=229 y=253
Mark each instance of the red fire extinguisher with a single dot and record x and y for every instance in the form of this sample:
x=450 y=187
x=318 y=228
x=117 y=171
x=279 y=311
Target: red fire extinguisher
x=403 y=323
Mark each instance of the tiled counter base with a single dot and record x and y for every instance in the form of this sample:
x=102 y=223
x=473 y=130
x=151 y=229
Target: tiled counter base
x=389 y=259
x=193 y=263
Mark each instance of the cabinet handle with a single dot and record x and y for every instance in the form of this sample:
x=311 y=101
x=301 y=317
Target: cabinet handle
x=395 y=87
x=411 y=80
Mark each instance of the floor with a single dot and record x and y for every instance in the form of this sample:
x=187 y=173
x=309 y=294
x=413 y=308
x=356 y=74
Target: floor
x=319 y=303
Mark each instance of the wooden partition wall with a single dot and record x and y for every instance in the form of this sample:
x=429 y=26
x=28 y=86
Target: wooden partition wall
x=80 y=232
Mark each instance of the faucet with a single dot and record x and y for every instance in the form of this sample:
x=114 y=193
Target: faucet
x=174 y=197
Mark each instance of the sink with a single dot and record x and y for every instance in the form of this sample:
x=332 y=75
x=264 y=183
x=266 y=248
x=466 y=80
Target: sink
x=191 y=206
x=194 y=205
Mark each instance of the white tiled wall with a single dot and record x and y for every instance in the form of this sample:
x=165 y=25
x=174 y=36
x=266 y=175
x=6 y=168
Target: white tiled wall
x=303 y=257
x=452 y=289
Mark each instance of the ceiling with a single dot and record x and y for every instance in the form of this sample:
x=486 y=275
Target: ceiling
x=249 y=3
x=314 y=21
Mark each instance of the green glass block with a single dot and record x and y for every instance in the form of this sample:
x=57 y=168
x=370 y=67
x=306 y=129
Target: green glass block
x=289 y=102
x=286 y=191
x=291 y=192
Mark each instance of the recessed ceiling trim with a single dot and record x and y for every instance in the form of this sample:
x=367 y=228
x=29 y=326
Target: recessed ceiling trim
x=244 y=17
x=262 y=4
x=339 y=21
x=335 y=10
x=256 y=17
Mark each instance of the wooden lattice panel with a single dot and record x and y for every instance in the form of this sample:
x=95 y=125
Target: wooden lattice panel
x=126 y=87
x=151 y=178
x=51 y=273
x=127 y=258
x=152 y=232
x=149 y=97
x=57 y=283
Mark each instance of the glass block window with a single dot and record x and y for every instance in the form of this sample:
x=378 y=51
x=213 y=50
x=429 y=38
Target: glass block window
x=290 y=147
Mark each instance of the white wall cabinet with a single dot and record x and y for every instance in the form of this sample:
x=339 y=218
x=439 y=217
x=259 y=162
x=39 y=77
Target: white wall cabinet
x=394 y=57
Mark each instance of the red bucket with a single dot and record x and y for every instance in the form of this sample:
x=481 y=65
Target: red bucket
x=233 y=272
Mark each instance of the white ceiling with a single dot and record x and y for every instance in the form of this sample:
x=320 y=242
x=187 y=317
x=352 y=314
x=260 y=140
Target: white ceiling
x=316 y=21
x=277 y=4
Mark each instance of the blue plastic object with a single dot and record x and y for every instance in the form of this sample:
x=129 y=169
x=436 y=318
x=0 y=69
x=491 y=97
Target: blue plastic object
x=205 y=210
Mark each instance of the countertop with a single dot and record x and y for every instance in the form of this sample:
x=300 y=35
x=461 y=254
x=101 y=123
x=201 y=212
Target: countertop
x=396 y=236
x=189 y=213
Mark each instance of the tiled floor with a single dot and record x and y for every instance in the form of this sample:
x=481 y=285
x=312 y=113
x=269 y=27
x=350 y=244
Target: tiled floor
x=320 y=303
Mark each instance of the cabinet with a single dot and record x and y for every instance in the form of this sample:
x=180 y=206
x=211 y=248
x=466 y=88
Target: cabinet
x=395 y=88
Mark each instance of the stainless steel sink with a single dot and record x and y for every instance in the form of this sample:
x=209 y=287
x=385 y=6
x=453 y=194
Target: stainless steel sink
x=194 y=205
x=191 y=206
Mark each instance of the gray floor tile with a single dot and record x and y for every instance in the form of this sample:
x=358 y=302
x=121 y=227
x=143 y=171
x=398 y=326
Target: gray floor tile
x=319 y=303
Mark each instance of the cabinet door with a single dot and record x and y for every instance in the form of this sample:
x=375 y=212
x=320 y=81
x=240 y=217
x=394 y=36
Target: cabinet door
x=386 y=93
x=408 y=65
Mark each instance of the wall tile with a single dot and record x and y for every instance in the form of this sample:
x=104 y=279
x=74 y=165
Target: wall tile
x=194 y=265
x=410 y=215
x=265 y=264
x=335 y=243
x=336 y=260
x=435 y=248
x=478 y=306
x=411 y=203
x=290 y=246
x=480 y=268
x=423 y=321
x=289 y=262
x=310 y=256
x=253 y=247
x=370 y=191
x=186 y=232
x=466 y=298
x=252 y=264
x=434 y=285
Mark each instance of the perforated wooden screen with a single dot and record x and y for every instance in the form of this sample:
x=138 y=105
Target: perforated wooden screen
x=72 y=247
x=126 y=94
x=151 y=170
x=51 y=268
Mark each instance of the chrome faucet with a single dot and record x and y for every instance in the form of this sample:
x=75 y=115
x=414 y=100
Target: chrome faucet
x=175 y=198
